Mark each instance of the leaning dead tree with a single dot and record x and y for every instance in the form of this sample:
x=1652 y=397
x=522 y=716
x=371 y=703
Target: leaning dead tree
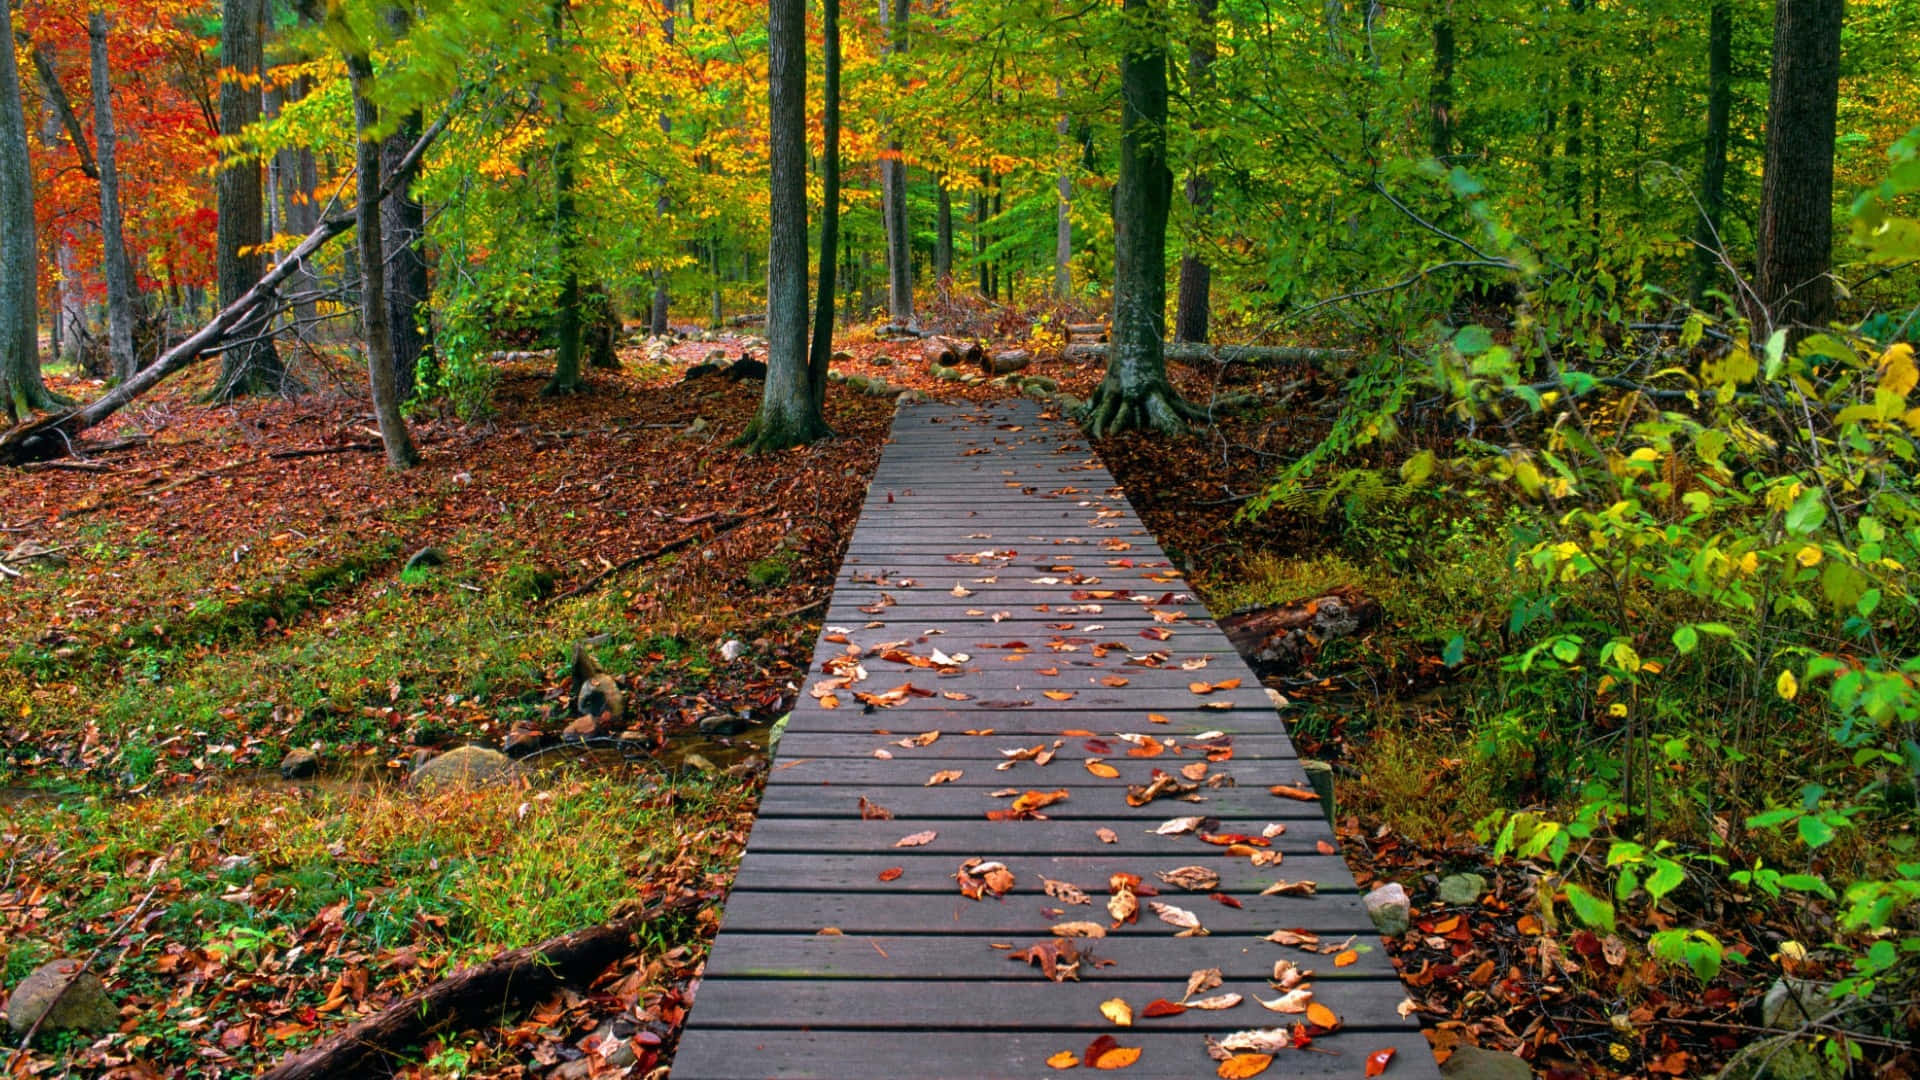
x=52 y=436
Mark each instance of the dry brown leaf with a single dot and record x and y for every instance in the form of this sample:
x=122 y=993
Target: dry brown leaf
x=1256 y=1040
x=891 y=873
x=1195 y=771
x=1118 y=1011
x=944 y=776
x=1079 y=930
x=1190 y=878
x=1293 y=1001
x=1290 y=888
x=1107 y=836
x=1187 y=922
x=1216 y=1003
x=1294 y=937
x=917 y=839
x=1065 y=892
x=1204 y=979
x=1123 y=906
x=1287 y=792
x=1176 y=826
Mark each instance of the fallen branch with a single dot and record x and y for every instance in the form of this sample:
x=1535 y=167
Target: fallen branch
x=651 y=554
x=52 y=436
x=470 y=996
x=1249 y=355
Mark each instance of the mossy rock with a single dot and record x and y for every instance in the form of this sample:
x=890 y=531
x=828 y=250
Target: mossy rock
x=464 y=766
x=46 y=999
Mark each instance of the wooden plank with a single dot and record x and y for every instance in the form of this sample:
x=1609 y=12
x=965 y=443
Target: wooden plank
x=1334 y=917
x=1001 y=839
x=1087 y=803
x=802 y=743
x=904 y=770
x=766 y=871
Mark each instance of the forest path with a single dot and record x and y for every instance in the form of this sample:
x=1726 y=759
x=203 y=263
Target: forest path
x=994 y=537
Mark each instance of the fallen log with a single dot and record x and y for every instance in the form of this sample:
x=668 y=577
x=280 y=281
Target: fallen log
x=52 y=436
x=1249 y=355
x=1284 y=638
x=476 y=994
x=1005 y=362
x=1087 y=332
x=950 y=352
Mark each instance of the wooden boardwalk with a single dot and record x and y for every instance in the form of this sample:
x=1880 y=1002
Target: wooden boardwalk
x=993 y=538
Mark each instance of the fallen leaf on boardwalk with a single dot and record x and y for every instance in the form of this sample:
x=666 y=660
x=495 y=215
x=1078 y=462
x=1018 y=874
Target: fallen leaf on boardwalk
x=1102 y=770
x=1243 y=1066
x=1273 y=830
x=1123 y=906
x=872 y=811
x=1321 y=1016
x=1287 y=975
x=1223 y=898
x=1290 y=888
x=1190 y=878
x=1204 y=688
x=1216 y=1003
x=883 y=755
x=1118 y=1057
x=962 y=590
x=1145 y=746
x=1156 y=718
x=1059 y=960
x=1159 y=1007
x=1176 y=826
x=917 y=839
x=1065 y=891
x=829 y=931
x=1065 y=1059
x=1107 y=836
x=1058 y=695
x=1346 y=958
x=1118 y=1011
x=955 y=695
x=1195 y=771
x=1326 y=848
x=1377 y=1061
x=1287 y=792
x=1406 y=1008
x=1204 y=979
x=1186 y=921
x=1293 y=1001
x=1079 y=929
x=1233 y=839
x=1039 y=800
x=1293 y=937
x=944 y=776
x=925 y=738
x=829 y=701
x=1258 y=1040
x=1113 y=680
x=891 y=873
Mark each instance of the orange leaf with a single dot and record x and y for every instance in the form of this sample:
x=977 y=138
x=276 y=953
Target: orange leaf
x=1059 y=695
x=1325 y=848
x=891 y=873
x=1117 y=1058
x=1156 y=718
x=1242 y=1066
x=1162 y=1007
x=1113 y=680
x=1227 y=684
x=1287 y=792
x=1102 y=770
x=1346 y=958
x=1321 y=1016
x=1065 y=1059
x=1377 y=1061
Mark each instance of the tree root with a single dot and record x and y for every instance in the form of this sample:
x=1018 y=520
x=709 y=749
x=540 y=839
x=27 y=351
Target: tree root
x=1159 y=408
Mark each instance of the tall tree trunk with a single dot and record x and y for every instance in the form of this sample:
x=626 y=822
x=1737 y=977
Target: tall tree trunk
x=1063 y=219
x=943 y=239
x=788 y=415
x=20 y=383
x=821 y=355
x=1196 y=277
x=1440 y=89
x=893 y=181
x=250 y=365
x=567 y=314
x=403 y=226
x=662 y=298
x=1707 y=247
x=374 y=309
x=121 y=295
x=1796 y=197
x=1135 y=395
x=980 y=237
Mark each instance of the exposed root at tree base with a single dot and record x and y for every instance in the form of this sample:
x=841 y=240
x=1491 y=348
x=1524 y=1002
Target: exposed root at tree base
x=1160 y=409
x=762 y=438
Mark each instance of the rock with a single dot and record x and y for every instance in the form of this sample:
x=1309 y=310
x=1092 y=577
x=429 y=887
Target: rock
x=465 y=766
x=1781 y=1058
x=1791 y=1002
x=731 y=650
x=722 y=725
x=1475 y=1063
x=299 y=764
x=83 y=1006
x=841 y=356
x=1459 y=890
x=1390 y=910
x=746 y=767
x=882 y=360
x=586 y=727
x=699 y=763
x=1279 y=699
x=522 y=740
x=698 y=427
x=426 y=557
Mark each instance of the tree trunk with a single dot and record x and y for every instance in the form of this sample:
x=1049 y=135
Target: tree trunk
x=567 y=315
x=1708 y=248
x=893 y=181
x=375 y=312
x=943 y=240
x=603 y=328
x=658 y=311
x=121 y=297
x=1135 y=393
x=788 y=415
x=1196 y=277
x=1796 y=198
x=822 y=352
x=251 y=366
x=1063 y=220
x=1440 y=89
x=20 y=382
x=403 y=225
x=980 y=238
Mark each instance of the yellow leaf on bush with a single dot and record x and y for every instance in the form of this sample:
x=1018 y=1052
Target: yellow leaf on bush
x=1787 y=686
x=1898 y=374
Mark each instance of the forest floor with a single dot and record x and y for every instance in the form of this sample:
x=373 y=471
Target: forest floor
x=230 y=587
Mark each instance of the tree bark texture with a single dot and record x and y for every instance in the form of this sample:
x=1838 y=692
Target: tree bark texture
x=567 y=315
x=121 y=295
x=1193 y=312
x=251 y=366
x=821 y=354
x=659 y=310
x=403 y=226
x=893 y=182
x=375 y=312
x=788 y=415
x=943 y=239
x=1063 y=222
x=1707 y=239
x=20 y=381
x=1135 y=393
x=1796 y=197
